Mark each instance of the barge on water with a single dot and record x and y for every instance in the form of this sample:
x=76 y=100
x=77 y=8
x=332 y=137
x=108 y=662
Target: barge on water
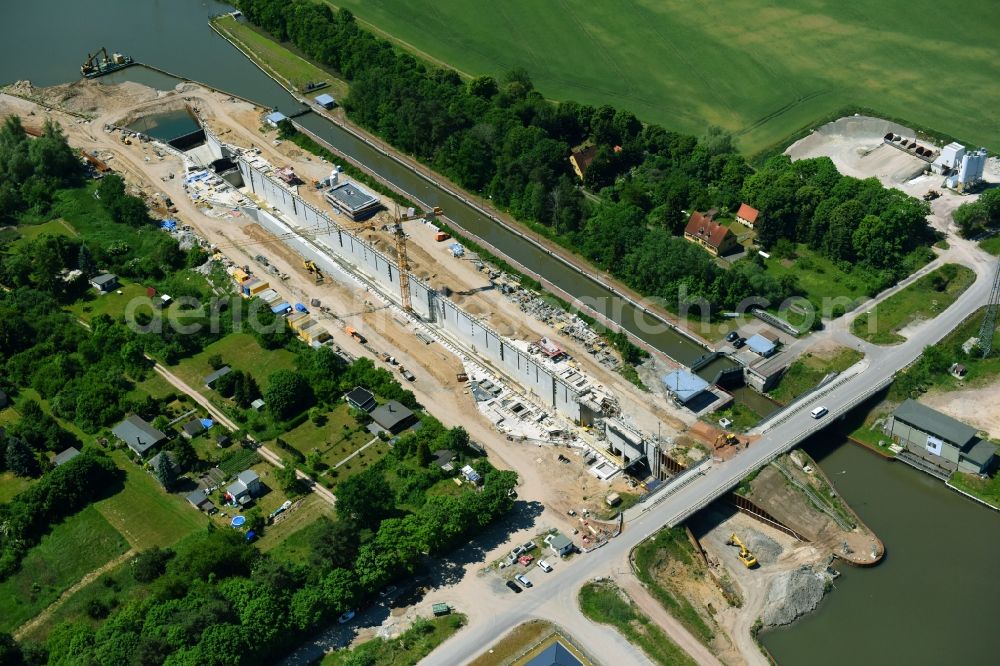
x=101 y=63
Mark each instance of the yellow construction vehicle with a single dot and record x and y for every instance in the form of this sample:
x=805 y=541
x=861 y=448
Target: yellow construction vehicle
x=746 y=557
x=726 y=439
x=309 y=265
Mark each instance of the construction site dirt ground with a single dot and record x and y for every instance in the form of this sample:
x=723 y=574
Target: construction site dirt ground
x=713 y=529
x=436 y=370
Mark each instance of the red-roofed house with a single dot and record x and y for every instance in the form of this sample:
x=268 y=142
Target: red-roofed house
x=714 y=237
x=747 y=215
x=581 y=159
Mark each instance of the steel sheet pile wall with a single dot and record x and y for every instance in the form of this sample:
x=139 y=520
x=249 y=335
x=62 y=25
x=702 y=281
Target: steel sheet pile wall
x=552 y=390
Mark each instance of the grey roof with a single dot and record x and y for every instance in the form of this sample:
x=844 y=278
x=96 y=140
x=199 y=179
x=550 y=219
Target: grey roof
x=760 y=345
x=103 y=279
x=351 y=197
x=247 y=476
x=193 y=427
x=324 y=99
x=275 y=117
x=198 y=497
x=392 y=415
x=559 y=541
x=934 y=422
x=981 y=452
x=66 y=456
x=139 y=435
x=685 y=385
x=210 y=379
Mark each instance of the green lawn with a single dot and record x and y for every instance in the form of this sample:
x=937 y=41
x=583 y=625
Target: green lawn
x=761 y=71
x=987 y=489
x=290 y=68
x=924 y=299
x=11 y=485
x=603 y=602
x=820 y=278
x=80 y=544
x=338 y=438
x=809 y=369
x=991 y=245
x=112 y=303
x=240 y=351
x=144 y=513
x=56 y=227
x=742 y=417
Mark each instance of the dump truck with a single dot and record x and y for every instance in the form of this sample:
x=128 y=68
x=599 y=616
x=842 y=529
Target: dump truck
x=746 y=557
x=406 y=373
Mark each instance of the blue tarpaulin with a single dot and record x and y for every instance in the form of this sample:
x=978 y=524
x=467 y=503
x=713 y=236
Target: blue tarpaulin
x=168 y=224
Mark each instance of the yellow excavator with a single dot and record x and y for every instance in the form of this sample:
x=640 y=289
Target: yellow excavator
x=726 y=439
x=746 y=557
x=311 y=266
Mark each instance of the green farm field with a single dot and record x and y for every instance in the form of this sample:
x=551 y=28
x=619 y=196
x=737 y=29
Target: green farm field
x=762 y=70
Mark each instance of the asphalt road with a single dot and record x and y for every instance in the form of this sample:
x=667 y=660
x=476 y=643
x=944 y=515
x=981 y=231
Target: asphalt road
x=554 y=597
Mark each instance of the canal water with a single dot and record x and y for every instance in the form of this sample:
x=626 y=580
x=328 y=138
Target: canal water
x=930 y=602
x=166 y=126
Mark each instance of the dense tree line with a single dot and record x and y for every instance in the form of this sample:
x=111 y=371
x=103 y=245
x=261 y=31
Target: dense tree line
x=58 y=494
x=846 y=219
x=32 y=170
x=503 y=139
x=977 y=217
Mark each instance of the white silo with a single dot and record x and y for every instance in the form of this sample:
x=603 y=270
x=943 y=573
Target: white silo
x=334 y=175
x=971 y=170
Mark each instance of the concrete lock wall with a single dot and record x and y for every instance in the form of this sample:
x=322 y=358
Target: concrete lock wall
x=552 y=391
x=329 y=236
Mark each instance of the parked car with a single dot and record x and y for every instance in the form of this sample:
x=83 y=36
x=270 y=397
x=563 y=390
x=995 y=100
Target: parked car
x=525 y=560
x=523 y=580
x=544 y=566
x=513 y=587
x=346 y=617
x=733 y=336
x=738 y=343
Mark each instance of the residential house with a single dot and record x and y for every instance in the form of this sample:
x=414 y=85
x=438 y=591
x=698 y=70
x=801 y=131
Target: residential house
x=559 y=544
x=210 y=379
x=747 y=215
x=65 y=456
x=580 y=160
x=138 y=435
x=471 y=475
x=246 y=486
x=105 y=282
x=393 y=417
x=192 y=429
x=711 y=235
x=360 y=398
x=199 y=500
x=938 y=439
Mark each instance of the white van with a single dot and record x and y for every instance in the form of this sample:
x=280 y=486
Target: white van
x=544 y=566
x=819 y=412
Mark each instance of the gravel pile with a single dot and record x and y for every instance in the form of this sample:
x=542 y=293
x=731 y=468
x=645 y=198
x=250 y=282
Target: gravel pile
x=792 y=595
x=764 y=548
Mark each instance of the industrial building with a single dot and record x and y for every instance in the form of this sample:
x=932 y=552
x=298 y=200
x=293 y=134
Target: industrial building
x=684 y=386
x=325 y=101
x=353 y=201
x=273 y=119
x=963 y=169
x=938 y=439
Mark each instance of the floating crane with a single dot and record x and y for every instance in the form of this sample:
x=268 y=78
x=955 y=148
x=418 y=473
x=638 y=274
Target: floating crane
x=746 y=557
x=95 y=65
